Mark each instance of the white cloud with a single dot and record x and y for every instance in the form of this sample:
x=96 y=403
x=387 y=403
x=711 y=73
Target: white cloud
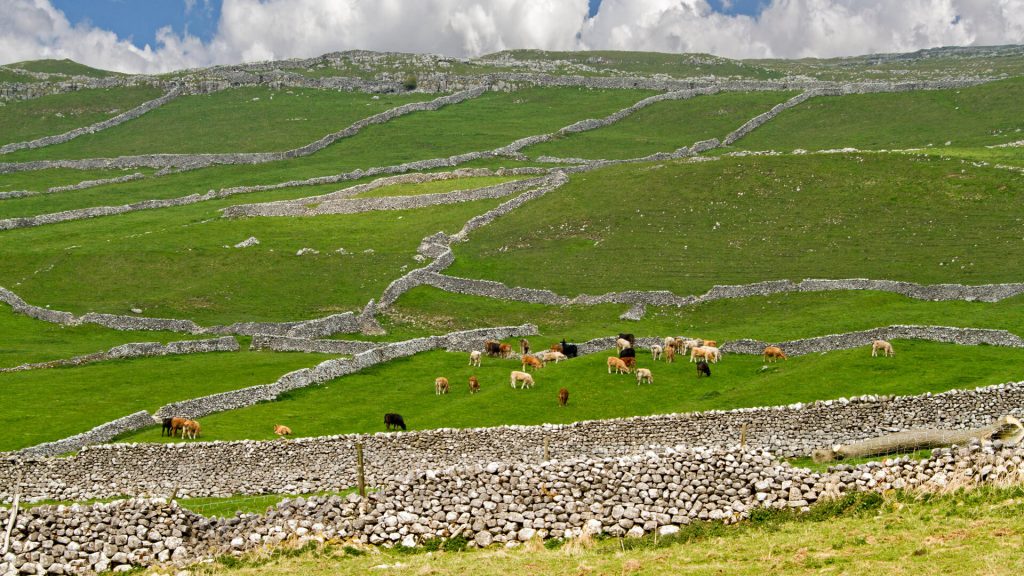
x=270 y=29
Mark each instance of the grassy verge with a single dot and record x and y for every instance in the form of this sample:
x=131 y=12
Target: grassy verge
x=685 y=227
x=664 y=127
x=46 y=405
x=973 y=532
x=356 y=403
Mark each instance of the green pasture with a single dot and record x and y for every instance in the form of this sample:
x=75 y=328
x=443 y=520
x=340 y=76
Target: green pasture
x=356 y=403
x=43 y=180
x=180 y=262
x=64 y=66
x=663 y=127
x=685 y=227
x=647 y=63
x=50 y=404
x=437 y=186
x=16 y=76
x=968 y=117
x=426 y=310
x=24 y=120
x=275 y=120
x=26 y=340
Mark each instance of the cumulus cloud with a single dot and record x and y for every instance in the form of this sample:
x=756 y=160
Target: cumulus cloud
x=251 y=30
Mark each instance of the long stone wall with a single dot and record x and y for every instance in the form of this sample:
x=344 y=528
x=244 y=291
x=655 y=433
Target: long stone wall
x=497 y=502
x=138 y=350
x=328 y=463
x=318 y=327
x=193 y=161
x=93 y=128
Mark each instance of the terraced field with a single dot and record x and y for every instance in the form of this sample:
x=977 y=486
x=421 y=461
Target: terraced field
x=947 y=214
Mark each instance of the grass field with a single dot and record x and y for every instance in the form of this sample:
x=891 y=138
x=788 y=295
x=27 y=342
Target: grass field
x=977 y=116
x=663 y=127
x=780 y=317
x=27 y=340
x=685 y=227
x=45 y=405
x=356 y=402
x=51 y=115
x=43 y=180
x=972 y=532
x=64 y=66
x=277 y=120
x=179 y=262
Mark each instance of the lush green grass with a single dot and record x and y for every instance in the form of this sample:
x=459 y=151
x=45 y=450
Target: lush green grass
x=981 y=115
x=27 y=340
x=30 y=119
x=13 y=75
x=965 y=532
x=685 y=227
x=65 y=66
x=426 y=310
x=648 y=63
x=46 y=405
x=355 y=403
x=43 y=180
x=664 y=127
x=274 y=120
x=179 y=262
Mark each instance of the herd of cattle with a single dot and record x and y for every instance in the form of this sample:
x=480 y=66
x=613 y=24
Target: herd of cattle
x=702 y=352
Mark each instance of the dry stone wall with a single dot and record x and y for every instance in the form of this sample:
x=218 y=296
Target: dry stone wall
x=93 y=128
x=328 y=463
x=138 y=350
x=497 y=502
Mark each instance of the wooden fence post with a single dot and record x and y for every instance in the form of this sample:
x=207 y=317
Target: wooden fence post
x=13 y=517
x=360 y=472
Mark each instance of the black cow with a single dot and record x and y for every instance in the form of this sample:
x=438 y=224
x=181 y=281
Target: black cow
x=628 y=353
x=570 y=350
x=391 y=419
x=166 y=427
x=703 y=369
x=629 y=338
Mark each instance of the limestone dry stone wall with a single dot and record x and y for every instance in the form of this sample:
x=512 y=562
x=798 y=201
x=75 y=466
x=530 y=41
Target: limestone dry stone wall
x=138 y=350
x=503 y=502
x=328 y=463
x=93 y=128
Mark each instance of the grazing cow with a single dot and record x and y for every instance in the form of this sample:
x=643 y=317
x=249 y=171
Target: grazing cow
x=532 y=361
x=689 y=344
x=644 y=375
x=440 y=385
x=703 y=369
x=698 y=352
x=474 y=358
x=563 y=396
x=617 y=363
x=505 y=350
x=570 y=350
x=882 y=345
x=282 y=430
x=712 y=354
x=392 y=420
x=177 y=424
x=552 y=356
x=629 y=361
x=670 y=354
x=474 y=385
x=669 y=341
x=628 y=338
x=710 y=343
x=556 y=347
x=621 y=344
x=166 y=426
x=655 y=352
x=523 y=377
x=524 y=346
x=772 y=353
x=190 y=429
x=627 y=352
x=492 y=347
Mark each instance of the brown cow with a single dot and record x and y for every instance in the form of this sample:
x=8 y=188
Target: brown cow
x=532 y=361
x=563 y=396
x=282 y=430
x=670 y=354
x=629 y=361
x=440 y=385
x=524 y=346
x=474 y=385
x=190 y=429
x=772 y=353
x=506 y=350
x=492 y=347
x=617 y=363
x=177 y=424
